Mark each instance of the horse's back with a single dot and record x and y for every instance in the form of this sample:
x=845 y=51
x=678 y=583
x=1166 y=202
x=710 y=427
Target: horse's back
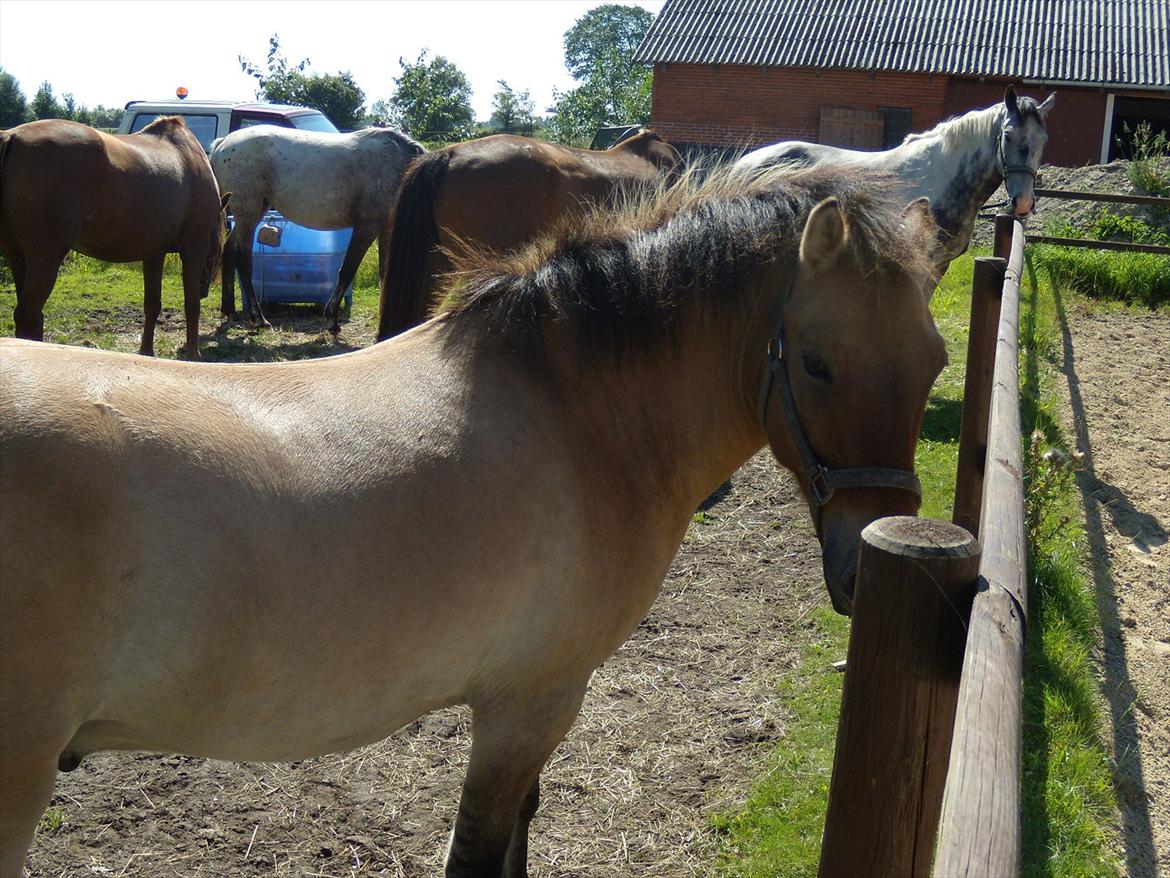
x=320 y=179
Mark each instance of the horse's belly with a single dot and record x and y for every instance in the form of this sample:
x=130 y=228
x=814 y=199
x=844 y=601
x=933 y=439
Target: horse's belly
x=286 y=722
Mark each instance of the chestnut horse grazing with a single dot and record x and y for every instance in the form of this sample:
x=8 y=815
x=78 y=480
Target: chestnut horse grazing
x=117 y=197
x=498 y=193
x=319 y=179
x=595 y=389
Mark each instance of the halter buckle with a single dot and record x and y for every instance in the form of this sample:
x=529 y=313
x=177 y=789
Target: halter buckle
x=819 y=487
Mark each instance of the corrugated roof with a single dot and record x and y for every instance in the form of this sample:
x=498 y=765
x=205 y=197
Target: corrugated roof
x=1119 y=42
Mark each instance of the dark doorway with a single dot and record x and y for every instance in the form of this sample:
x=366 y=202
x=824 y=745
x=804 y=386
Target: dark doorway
x=1128 y=114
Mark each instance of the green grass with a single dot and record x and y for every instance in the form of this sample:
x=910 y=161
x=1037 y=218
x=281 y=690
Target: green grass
x=1068 y=808
x=94 y=302
x=1134 y=278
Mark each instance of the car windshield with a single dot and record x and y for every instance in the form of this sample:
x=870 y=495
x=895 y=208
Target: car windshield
x=203 y=127
x=312 y=122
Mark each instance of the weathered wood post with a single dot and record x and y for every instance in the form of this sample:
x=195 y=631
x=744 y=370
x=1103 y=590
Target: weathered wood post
x=986 y=291
x=915 y=582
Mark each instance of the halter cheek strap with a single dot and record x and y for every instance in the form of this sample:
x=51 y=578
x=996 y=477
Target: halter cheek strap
x=823 y=482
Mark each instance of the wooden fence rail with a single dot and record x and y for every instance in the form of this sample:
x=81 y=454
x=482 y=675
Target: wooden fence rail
x=927 y=604
x=980 y=828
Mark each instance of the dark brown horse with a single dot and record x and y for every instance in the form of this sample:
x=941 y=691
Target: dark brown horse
x=498 y=193
x=120 y=198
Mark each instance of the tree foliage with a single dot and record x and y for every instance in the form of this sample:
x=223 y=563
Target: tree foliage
x=13 y=104
x=599 y=52
x=336 y=95
x=601 y=30
x=15 y=109
x=432 y=100
x=45 y=104
x=513 y=112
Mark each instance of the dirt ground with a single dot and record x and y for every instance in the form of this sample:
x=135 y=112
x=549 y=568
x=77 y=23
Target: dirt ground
x=674 y=726
x=1116 y=387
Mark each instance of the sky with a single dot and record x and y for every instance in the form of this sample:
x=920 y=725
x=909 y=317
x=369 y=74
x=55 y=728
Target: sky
x=113 y=51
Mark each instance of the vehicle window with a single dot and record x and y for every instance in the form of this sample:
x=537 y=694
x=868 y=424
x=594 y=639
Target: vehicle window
x=203 y=127
x=243 y=121
x=313 y=122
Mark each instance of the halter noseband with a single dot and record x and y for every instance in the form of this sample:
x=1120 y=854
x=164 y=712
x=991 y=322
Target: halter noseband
x=1005 y=168
x=823 y=482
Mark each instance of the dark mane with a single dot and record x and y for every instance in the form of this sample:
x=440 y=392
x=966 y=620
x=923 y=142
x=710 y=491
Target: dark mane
x=622 y=275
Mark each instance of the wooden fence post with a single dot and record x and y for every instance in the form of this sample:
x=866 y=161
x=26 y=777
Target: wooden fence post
x=986 y=290
x=915 y=582
x=1005 y=228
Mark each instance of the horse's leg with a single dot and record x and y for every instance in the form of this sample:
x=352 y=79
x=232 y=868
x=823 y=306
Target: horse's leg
x=39 y=277
x=516 y=861
x=510 y=743
x=227 y=277
x=193 y=262
x=152 y=275
x=27 y=791
x=359 y=243
x=247 y=290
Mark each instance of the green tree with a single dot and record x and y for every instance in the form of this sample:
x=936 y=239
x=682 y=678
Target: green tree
x=336 y=95
x=601 y=30
x=13 y=105
x=513 y=111
x=432 y=100
x=614 y=90
x=45 y=105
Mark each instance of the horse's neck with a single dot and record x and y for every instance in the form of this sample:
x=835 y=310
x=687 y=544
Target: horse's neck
x=956 y=169
x=673 y=423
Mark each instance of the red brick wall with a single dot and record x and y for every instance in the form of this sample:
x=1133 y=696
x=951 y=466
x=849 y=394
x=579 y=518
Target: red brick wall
x=1074 y=126
x=738 y=105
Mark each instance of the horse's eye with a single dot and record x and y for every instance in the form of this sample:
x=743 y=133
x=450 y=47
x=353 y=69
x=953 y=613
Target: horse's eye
x=817 y=369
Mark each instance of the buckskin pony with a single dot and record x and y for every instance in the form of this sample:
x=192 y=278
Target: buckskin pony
x=498 y=192
x=568 y=410
x=957 y=164
x=116 y=197
x=320 y=179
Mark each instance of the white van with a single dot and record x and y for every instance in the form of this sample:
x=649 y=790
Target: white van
x=210 y=120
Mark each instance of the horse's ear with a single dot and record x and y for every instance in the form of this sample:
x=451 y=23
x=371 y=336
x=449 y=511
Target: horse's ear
x=1010 y=100
x=1047 y=104
x=919 y=215
x=824 y=236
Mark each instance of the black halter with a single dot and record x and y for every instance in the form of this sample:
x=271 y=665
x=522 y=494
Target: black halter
x=1005 y=168
x=823 y=482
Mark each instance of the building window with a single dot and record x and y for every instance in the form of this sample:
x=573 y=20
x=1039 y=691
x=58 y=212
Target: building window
x=896 y=125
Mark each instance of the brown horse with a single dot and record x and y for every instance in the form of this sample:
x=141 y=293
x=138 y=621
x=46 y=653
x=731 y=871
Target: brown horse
x=595 y=389
x=498 y=193
x=121 y=198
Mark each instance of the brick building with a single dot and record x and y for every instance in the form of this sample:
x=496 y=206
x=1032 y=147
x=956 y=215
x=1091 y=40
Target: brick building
x=864 y=73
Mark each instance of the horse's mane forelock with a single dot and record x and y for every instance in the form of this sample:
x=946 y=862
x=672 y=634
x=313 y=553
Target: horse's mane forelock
x=624 y=274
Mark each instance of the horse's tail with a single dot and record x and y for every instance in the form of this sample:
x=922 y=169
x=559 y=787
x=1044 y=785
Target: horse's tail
x=415 y=234
x=5 y=139
x=215 y=250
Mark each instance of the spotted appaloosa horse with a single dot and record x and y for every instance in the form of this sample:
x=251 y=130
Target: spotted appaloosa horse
x=121 y=198
x=958 y=164
x=318 y=179
x=596 y=387
x=499 y=193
